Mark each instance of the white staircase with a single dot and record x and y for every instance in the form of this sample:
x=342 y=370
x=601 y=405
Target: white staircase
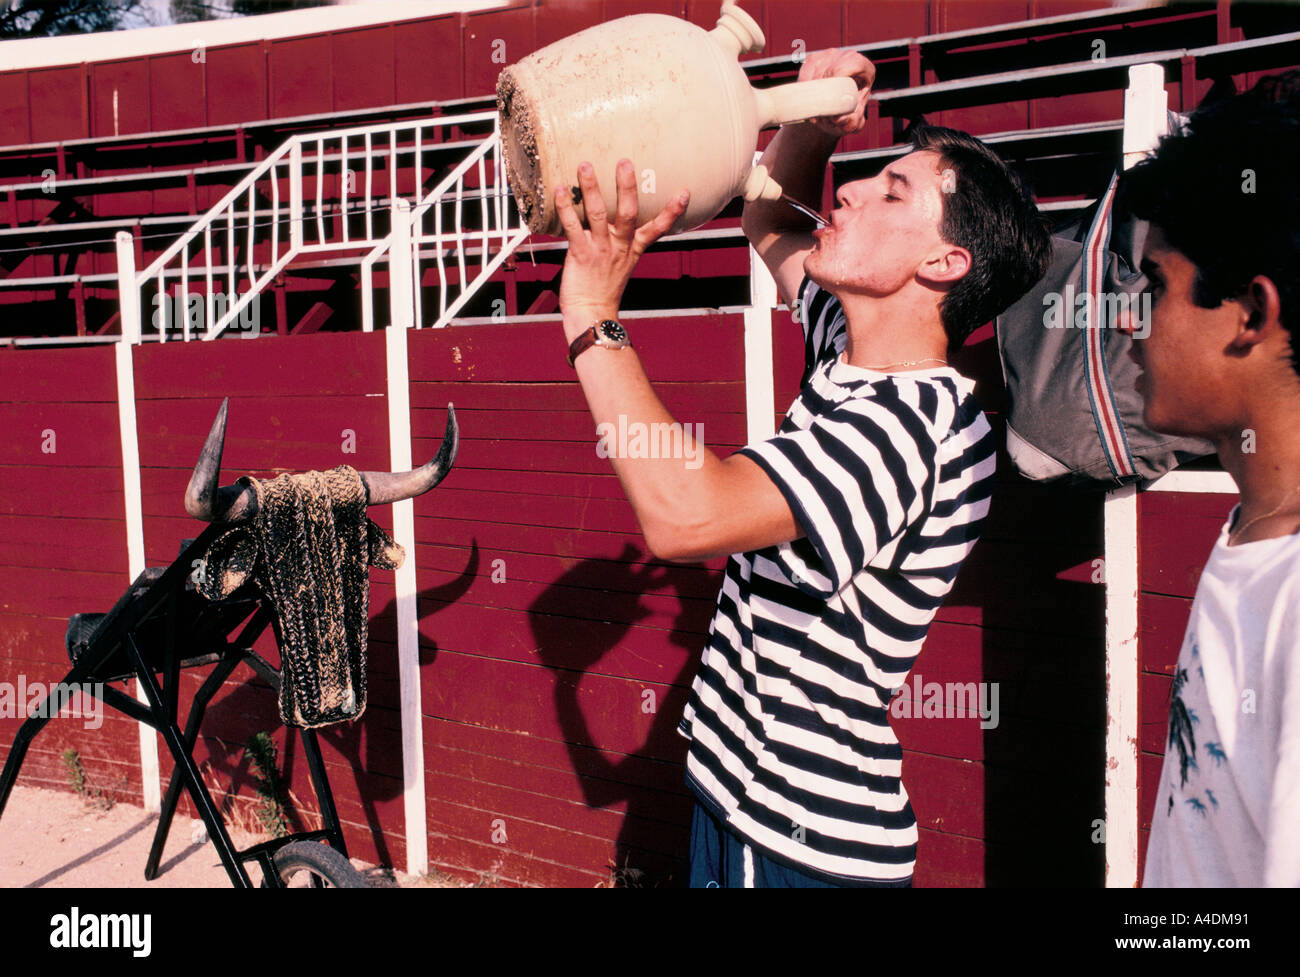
x=349 y=196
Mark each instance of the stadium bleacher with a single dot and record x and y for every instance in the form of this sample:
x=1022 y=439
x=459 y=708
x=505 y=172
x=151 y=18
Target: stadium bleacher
x=61 y=203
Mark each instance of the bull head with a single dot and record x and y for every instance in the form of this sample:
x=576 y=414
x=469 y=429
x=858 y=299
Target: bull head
x=205 y=500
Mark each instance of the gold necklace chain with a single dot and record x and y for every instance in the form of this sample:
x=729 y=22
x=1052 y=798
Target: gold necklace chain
x=928 y=359
x=1237 y=533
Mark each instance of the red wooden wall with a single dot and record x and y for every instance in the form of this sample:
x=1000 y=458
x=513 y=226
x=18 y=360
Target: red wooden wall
x=558 y=653
x=1176 y=533
x=62 y=545
x=555 y=655
x=316 y=403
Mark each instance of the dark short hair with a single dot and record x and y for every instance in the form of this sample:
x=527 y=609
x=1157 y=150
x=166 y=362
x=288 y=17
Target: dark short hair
x=988 y=211
x=1223 y=192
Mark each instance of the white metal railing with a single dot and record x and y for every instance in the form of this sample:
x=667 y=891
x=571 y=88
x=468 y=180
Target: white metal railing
x=324 y=193
x=448 y=241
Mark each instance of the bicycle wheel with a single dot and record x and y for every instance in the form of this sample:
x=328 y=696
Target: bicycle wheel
x=310 y=864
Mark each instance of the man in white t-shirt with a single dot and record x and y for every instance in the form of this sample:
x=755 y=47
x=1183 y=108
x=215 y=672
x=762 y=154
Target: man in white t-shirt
x=1223 y=257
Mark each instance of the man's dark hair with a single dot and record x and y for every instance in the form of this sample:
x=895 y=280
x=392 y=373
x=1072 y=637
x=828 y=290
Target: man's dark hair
x=988 y=211
x=1224 y=193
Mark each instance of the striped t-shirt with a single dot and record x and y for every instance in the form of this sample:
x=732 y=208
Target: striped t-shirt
x=889 y=476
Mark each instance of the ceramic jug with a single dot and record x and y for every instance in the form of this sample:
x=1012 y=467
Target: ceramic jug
x=661 y=92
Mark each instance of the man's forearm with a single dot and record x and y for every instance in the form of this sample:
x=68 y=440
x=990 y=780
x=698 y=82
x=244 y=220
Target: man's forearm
x=692 y=504
x=668 y=494
x=796 y=159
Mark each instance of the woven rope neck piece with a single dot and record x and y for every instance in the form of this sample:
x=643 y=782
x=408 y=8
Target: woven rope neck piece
x=308 y=550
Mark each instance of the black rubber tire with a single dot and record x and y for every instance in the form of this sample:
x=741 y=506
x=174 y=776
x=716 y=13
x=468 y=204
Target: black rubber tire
x=325 y=867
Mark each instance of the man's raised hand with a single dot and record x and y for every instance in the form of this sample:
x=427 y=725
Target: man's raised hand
x=838 y=63
x=601 y=259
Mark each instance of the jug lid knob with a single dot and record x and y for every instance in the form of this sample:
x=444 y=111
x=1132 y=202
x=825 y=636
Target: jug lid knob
x=738 y=32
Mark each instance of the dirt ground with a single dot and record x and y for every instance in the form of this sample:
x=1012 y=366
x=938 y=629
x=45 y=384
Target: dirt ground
x=54 y=839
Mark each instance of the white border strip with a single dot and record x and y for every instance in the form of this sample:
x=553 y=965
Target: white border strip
x=408 y=624
x=1120 y=565
x=1206 y=483
x=1145 y=102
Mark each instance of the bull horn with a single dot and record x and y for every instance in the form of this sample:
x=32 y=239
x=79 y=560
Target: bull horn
x=203 y=498
x=385 y=487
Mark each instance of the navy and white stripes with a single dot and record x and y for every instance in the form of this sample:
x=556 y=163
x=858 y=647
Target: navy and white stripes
x=889 y=476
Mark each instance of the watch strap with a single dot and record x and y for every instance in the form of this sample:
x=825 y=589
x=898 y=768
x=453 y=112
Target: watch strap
x=585 y=341
x=591 y=337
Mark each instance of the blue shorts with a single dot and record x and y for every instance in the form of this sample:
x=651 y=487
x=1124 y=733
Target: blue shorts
x=721 y=860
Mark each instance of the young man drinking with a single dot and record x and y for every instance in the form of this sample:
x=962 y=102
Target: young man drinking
x=845 y=530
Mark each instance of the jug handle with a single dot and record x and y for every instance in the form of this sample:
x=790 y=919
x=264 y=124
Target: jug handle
x=802 y=100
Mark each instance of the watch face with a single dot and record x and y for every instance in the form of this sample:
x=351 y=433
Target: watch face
x=611 y=332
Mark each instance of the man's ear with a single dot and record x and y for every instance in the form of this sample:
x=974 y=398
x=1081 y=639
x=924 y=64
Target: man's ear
x=1261 y=313
x=945 y=267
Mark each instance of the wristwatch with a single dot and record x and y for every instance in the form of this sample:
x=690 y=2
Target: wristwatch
x=607 y=333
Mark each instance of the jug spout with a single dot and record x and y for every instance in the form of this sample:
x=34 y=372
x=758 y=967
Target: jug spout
x=759 y=185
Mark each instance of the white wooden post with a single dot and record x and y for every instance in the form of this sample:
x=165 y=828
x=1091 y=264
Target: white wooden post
x=1121 y=569
x=760 y=395
x=367 y=297
x=400 y=291
x=1145 y=121
x=129 y=306
x=128 y=293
